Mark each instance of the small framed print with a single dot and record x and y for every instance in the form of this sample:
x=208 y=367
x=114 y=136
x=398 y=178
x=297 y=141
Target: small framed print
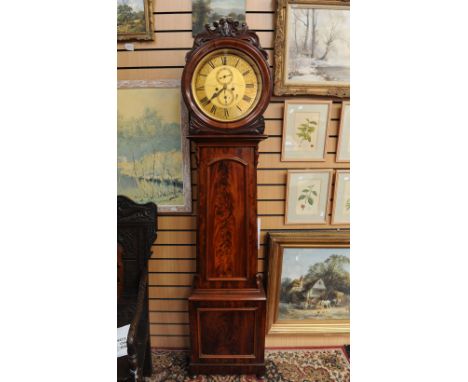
x=307 y=196
x=343 y=149
x=305 y=130
x=341 y=199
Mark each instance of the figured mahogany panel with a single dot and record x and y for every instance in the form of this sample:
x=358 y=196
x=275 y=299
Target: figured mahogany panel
x=227 y=233
x=222 y=339
x=226 y=216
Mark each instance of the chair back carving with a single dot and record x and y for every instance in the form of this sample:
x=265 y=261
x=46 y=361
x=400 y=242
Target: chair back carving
x=136 y=232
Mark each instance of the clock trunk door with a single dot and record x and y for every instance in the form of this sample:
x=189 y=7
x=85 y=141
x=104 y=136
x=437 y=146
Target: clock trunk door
x=227 y=230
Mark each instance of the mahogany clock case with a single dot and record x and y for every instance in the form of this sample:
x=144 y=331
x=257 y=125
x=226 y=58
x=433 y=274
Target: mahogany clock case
x=227 y=306
x=200 y=123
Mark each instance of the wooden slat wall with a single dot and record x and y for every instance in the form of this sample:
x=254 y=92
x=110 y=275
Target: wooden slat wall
x=172 y=265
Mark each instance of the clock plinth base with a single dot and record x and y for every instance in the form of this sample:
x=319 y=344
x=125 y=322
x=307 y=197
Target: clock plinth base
x=227 y=331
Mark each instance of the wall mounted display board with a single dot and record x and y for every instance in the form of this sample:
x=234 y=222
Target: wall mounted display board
x=312 y=47
x=307 y=196
x=308 y=282
x=208 y=11
x=134 y=20
x=153 y=154
x=341 y=199
x=305 y=130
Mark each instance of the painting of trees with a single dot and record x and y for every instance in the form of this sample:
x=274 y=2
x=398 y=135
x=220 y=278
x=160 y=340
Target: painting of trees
x=207 y=11
x=130 y=16
x=318 y=44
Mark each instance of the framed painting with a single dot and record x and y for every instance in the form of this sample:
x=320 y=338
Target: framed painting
x=134 y=20
x=308 y=282
x=312 y=47
x=307 y=196
x=343 y=147
x=207 y=11
x=341 y=199
x=305 y=130
x=153 y=154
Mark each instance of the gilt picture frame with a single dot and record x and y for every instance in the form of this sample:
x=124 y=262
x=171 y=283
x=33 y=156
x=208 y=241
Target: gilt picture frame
x=341 y=199
x=153 y=153
x=135 y=20
x=305 y=130
x=312 y=48
x=307 y=196
x=343 y=146
x=308 y=289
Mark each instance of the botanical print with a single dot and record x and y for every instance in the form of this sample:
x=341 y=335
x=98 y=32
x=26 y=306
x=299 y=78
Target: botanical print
x=131 y=16
x=343 y=152
x=317 y=45
x=305 y=130
x=149 y=146
x=308 y=196
x=208 y=11
x=342 y=199
x=315 y=284
x=306 y=126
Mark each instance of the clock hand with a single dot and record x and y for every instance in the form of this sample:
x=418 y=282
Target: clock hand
x=218 y=93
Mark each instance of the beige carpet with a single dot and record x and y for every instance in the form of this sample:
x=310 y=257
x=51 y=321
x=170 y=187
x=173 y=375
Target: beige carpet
x=283 y=365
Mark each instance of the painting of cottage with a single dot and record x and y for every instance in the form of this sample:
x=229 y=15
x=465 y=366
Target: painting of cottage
x=315 y=284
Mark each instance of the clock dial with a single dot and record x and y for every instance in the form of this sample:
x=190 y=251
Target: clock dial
x=226 y=85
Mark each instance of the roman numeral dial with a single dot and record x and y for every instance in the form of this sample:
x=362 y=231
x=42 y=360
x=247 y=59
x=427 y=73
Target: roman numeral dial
x=226 y=85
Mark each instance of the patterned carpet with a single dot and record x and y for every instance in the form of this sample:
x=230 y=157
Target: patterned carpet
x=283 y=365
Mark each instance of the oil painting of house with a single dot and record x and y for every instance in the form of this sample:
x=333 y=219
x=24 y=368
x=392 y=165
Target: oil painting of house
x=315 y=284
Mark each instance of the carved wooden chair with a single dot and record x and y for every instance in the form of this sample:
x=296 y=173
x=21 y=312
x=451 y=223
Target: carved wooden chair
x=136 y=232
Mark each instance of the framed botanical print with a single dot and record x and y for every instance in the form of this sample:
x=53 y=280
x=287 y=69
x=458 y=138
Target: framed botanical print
x=305 y=130
x=307 y=195
x=153 y=154
x=134 y=20
x=343 y=147
x=312 y=47
x=341 y=199
x=308 y=282
x=208 y=11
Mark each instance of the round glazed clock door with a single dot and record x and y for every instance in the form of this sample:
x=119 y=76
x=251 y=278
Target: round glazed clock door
x=226 y=85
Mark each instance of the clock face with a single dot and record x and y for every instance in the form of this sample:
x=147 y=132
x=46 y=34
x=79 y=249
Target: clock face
x=226 y=85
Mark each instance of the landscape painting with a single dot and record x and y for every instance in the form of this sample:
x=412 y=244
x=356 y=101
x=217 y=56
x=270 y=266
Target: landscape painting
x=134 y=20
x=208 y=11
x=153 y=153
x=317 y=46
x=315 y=284
x=312 y=48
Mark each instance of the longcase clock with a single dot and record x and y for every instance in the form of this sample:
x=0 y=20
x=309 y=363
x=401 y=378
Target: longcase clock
x=226 y=86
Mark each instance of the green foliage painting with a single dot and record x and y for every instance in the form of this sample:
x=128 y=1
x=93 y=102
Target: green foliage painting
x=131 y=16
x=315 y=283
x=208 y=11
x=305 y=130
x=150 y=156
x=307 y=196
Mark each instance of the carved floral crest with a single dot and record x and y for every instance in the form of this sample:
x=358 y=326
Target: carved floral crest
x=226 y=27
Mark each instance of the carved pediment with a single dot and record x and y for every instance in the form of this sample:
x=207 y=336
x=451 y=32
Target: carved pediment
x=227 y=27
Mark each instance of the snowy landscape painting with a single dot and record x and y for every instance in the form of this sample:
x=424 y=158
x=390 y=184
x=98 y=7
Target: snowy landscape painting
x=208 y=11
x=317 y=45
x=312 y=48
x=315 y=284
